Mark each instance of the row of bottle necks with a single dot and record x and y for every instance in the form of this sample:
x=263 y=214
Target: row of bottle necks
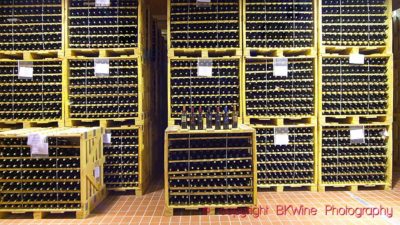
x=220 y=120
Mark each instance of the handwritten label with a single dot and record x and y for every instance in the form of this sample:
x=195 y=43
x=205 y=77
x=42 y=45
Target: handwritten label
x=102 y=3
x=204 y=67
x=281 y=136
x=357 y=59
x=25 y=70
x=38 y=144
x=357 y=135
x=101 y=67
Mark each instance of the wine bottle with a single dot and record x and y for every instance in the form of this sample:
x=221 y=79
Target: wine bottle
x=184 y=118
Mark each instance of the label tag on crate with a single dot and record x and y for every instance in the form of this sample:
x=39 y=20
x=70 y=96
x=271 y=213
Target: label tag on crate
x=357 y=59
x=204 y=67
x=281 y=136
x=39 y=145
x=357 y=135
x=97 y=173
x=107 y=138
x=102 y=3
x=280 y=67
x=101 y=67
x=25 y=70
x=203 y=3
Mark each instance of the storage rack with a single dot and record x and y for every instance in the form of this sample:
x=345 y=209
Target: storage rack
x=126 y=165
x=267 y=96
x=224 y=159
x=277 y=25
x=117 y=96
x=187 y=88
x=123 y=31
x=69 y=179
x=31 y=25
x=284 y=165
x=30 y=101
x=351 y=163
x=355 y=24
x=202 y=27
x=355 y=92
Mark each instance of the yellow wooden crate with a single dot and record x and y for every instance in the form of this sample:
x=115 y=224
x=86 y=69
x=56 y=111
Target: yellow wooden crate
x=175 y=133
x=290 y=182
x=354 y=184
x=204 y=52
x=256 y=51
x=91 y=191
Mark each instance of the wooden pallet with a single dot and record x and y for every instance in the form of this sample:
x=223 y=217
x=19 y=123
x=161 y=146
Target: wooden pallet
x=143 y=17
x=355 y=187
x=27 y=124
x=102 y=122
x=282 y=121
x=31 y=55
x=387 y=49
x=92 y=188
x=344 y=50
x=356 y=120
x=288 y=187
x=207 y=210
x=204 y=53
x=130 y=191
x=279 y=52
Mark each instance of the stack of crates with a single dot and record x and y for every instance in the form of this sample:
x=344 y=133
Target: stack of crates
x=355 y=94
x=108 y=85
x=31 y=53
x=279 y=90
x=204 y=72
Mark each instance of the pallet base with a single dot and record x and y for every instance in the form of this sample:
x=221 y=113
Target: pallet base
x=32 y=55
x=322 y=188
x=282 y=121
x=282 y=188
x=135 y=191
x=344 y=50
x=356 y=120
x=278 y=52
x=204 y=53
x=103 y=122
x=37 y=215
x=123 y=52
x=28 y=124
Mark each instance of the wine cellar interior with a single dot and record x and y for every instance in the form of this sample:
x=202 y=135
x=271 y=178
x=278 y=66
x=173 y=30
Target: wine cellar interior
x=199 y=111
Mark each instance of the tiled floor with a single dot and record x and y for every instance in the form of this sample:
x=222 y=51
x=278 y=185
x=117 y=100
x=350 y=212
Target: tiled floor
x=149 y=209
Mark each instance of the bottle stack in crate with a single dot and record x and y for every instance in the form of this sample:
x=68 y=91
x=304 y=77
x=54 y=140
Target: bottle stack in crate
x=108 y=84
x=51 y=170
x=279 y=89
x=31 y=53
x=355 y=93
x=204 y=103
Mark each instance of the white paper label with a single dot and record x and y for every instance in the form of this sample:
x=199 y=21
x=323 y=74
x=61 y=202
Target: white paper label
x=38 y=144
x=103 y=3
x=357 y=135
x=281 y=136
x=97 y=172
x=280 y=67
x=25 y=70
x=356 y=59
x=107 y=138
x=204 y=67
x=101 y=67
x=203 y=3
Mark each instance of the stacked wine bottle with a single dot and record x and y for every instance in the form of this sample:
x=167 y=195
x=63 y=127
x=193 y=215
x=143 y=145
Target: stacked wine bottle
x=99 y=97
x=365 y=160
x=196 y=24
x=280 y=96
x=50 y=181
x=355 y=89
x=31 y=25
x=355 y=22
x=35 y=98
x=280 y=24
x=286 y=164
x=122 y=159
x=114 y=26
x=188 y=89
x=210 y=169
